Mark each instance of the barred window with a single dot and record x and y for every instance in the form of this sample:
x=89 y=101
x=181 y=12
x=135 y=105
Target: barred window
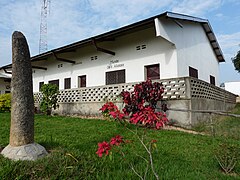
x=153 y=71
x=67 y=83
x=115 y=77
x=82 y=81
x=193 y=72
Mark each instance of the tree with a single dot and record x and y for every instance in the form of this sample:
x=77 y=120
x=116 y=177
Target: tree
x=49 y=100
x=236 y=61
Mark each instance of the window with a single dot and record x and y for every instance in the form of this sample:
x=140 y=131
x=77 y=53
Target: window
x=54 y=82
x=40 y=85
x=67 y=83
x=152 y=71
x=82 y=81
x=115 y=77
x=212 y=80
x=193 y=72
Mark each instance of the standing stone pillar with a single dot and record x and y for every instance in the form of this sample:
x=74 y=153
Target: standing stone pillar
x=22 y=146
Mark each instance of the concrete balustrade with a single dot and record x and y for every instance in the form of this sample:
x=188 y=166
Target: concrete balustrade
x=182 y=93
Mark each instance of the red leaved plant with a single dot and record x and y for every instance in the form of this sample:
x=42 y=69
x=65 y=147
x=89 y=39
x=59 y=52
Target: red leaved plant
x=105 y=147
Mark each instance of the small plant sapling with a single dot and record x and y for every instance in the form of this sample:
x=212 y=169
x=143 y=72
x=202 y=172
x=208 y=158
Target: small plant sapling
x=140 y=108
x=49 y=99
x=227 y=156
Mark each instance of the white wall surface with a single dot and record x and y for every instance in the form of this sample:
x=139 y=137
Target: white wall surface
x=193 y=48
x=158 y=51
x=175 y=48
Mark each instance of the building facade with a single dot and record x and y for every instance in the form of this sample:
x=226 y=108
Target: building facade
x=177 y=50
x=166 y=46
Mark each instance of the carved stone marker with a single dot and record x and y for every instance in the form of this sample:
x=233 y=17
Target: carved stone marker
x=22 y=146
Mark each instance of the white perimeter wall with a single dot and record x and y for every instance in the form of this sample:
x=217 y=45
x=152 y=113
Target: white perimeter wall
x=158 y=50
x=193 y=48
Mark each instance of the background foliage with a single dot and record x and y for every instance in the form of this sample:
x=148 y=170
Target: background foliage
x=49 y=100
x=5 y=102
x=236 y=61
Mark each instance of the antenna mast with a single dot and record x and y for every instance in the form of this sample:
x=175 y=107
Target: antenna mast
x=45 y=10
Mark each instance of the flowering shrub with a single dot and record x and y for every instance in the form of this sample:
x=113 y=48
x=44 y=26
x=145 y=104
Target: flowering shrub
x=144 y=94
x=105 y=147
x=148 y=117
x=117 y=114
x=140 y=105
x=116 y=140
x=107 y=108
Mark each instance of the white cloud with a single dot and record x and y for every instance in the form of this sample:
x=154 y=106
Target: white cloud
x=69 y=21
x=5 y=49
x=196 y=7
x=219 y=15
x=230 y=44
x=123 y=12
x=17 y=16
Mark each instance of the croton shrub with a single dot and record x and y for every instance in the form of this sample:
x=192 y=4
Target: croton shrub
x=139 y=105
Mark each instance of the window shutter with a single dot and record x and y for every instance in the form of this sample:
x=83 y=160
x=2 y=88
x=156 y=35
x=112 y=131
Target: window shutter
x=115 y=77
x=67 y=83
x=153 y=71
x=56 y=82
x=193 y=72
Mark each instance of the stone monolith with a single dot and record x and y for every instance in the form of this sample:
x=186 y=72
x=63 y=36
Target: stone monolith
x=22 y=146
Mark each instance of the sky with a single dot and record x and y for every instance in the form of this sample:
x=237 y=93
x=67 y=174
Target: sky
x=73 y=20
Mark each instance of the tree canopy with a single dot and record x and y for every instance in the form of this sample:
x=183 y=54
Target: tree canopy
x=236 y=61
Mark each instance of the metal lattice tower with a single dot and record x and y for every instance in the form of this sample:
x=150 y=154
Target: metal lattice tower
x=45 y=10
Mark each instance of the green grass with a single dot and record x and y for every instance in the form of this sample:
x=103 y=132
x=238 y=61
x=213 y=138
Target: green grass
x=223 y=126
x=178 y=156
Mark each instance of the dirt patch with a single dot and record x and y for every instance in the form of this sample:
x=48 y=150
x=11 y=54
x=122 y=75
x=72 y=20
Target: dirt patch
x=183 y=130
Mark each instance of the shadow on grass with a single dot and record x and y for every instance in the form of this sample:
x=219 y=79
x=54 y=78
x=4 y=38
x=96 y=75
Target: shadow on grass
x=50 y=145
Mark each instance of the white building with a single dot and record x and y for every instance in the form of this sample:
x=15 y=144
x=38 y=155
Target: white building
x=233 y=87
x=5 y=80
x=165 y=46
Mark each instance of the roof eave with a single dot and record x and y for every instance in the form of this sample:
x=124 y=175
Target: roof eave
x=128 y=28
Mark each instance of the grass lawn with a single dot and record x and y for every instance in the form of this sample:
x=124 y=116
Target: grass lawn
x=72 y=143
